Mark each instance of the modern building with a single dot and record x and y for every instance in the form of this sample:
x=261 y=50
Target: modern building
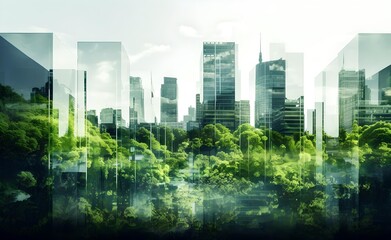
x=136 y=111
x=169 y=100
x=269 y=94
x=279 y=91
x=242 y=112
x=219 y=71
x=377 y=104
x=293 y=117
x=107 y=67
x=39 y=80
x=351 y=93
x=310 y=128
x=199 y=108
x=294 y=70
x=111 y=120
x=344 y=94
x=91 y=116
x=189 y=117
x=344 y=86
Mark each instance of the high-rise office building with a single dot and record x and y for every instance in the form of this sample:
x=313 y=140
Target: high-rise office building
x=219 y=71
x=293 y=117
x=136 y=111
x=269 y=94
x=169 y=100
x=279 y=91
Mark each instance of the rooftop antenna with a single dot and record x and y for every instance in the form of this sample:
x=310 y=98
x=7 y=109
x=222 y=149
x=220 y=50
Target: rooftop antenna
x=260 y=48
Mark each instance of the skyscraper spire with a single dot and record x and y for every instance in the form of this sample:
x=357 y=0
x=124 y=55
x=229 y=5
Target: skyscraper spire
x=260 y=48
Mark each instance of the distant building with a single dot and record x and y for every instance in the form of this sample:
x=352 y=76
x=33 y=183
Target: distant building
x=192 y=125
x=242 y=112
x=178 y=125
x=169 y=101
x=310 y=121
x=199 y=108
x=189 y=117
x=219 y=69
x=111 y=120
x=136 y=96
x=293 y=117
x=351 y=93
x=91 y=116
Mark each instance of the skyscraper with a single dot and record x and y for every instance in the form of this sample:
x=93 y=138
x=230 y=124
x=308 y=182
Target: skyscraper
x=136 y=112
x=269 y=93
x=219 y=83
x=38 y=79
x=169 y=100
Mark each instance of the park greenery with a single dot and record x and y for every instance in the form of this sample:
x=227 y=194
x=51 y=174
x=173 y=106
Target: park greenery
x=210 y=183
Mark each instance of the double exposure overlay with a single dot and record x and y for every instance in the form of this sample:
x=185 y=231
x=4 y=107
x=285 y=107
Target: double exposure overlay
x=79 y=158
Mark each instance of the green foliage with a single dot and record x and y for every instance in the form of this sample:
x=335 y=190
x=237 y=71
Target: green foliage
x=376 y=134
x=26 y=179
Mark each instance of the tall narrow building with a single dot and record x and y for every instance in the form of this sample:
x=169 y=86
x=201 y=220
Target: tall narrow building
x=169 y=100
x=350 y=94
x=269 y=93
x=219 y=83
x=136 y=111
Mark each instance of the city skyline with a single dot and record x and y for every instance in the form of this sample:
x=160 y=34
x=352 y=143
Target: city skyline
x=172 y=32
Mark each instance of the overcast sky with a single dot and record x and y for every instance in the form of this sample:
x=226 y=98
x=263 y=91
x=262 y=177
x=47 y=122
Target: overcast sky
x=164 y=37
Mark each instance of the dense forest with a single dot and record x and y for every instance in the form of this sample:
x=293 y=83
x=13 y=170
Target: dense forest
x=203 y=184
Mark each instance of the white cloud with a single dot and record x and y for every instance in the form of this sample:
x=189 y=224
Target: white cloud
x=105 y=71
x=151 y=49
x=188 y=31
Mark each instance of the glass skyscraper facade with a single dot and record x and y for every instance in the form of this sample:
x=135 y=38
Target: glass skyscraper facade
x=270 y=94
x=347 y=96
x=351 y=81
x=169 y=100
x=43 y=96
x=219 y=83
x=107 y=67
